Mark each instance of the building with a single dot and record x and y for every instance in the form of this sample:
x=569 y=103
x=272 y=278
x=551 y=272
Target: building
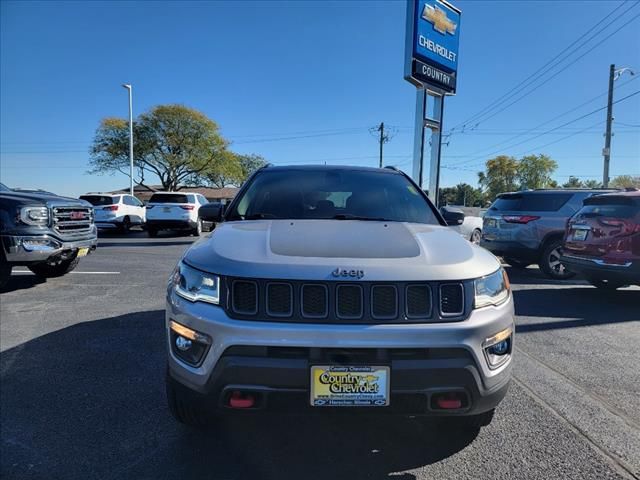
x=222 y=195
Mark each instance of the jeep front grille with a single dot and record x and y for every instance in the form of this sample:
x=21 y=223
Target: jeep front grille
x=337 y=302
x=73 y=220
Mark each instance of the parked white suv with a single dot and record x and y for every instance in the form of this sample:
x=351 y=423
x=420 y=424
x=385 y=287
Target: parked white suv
x=174 y=211
x=119 y=212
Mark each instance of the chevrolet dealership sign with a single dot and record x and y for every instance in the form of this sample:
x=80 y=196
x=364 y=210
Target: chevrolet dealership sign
x=433 y=33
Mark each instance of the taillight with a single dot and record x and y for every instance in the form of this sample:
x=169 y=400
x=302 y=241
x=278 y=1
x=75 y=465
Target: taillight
x=187 y=207
x=111 y=208
x=519 y=218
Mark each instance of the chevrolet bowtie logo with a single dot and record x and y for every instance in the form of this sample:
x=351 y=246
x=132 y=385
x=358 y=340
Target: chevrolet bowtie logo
x=438 y=17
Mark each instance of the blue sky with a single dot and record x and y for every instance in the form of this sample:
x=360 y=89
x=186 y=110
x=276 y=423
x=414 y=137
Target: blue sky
x=323 y=71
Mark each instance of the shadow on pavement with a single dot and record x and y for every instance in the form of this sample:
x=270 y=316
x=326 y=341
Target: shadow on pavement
x=88 y=401
x=534 y=276
x=21 y=281
x=145 y=244
x=584 y=306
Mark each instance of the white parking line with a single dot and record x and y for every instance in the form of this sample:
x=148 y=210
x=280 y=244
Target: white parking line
x=75 y=273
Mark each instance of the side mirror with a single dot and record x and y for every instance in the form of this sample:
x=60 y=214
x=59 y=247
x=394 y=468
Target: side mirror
x=453 y=217
x=211 y=212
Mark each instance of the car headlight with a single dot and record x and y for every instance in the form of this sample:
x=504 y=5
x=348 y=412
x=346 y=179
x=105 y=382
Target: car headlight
x=195 y=285
x=38 y=216
x=492 y=289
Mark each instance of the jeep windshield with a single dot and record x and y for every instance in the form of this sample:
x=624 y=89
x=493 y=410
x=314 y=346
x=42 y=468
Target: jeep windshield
x=332 y=194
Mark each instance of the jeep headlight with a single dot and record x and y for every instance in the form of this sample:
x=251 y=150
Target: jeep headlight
x=38 y=216
x=492 y=289
x=195 y=285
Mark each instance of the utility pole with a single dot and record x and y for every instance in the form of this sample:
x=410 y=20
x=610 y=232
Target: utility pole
x=130 y=88
x=381 y=129
x=607 y=139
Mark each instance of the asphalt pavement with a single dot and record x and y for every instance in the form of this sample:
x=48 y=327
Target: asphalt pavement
x=82 y=368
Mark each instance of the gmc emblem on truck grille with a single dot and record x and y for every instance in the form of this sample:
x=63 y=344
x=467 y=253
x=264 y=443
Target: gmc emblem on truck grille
x=75 y=215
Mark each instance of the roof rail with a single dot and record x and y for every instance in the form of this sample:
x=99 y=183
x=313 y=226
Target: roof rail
x=391 y=167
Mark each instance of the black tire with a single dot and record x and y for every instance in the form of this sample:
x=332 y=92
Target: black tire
x=196 y=232
x=550 y=261
x=476 y=235
x=516 y=263
x=126 y=225
x=5 y=273
x=606 y=285
x=58 y=269
x=184 y=407
x=152 y=232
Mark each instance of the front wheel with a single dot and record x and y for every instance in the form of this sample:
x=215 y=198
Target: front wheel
x=476 y=235
x=550 y=262
x=57 y=269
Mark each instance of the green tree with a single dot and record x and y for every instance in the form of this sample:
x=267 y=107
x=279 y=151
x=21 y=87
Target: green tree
x=251 y=163
x=173 y=142
x=573 y=182
x=592 y=184
x=625 y=181
x=534 y=171
x=500 y=175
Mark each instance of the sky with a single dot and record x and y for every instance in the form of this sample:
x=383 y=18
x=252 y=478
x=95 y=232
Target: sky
x=303 y=82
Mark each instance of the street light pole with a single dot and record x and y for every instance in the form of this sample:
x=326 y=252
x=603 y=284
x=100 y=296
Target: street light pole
x=129 y=88
x=607 y=139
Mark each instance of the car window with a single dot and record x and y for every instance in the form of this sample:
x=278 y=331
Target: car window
x=168 y=198
x=325 y=194
x=98 y=200
x=128 y=200
x=610 y=206
x=523 y=202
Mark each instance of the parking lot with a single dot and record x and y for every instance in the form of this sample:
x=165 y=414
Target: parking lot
x=83 y=364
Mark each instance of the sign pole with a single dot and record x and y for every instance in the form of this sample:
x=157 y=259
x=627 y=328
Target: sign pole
x=418 y=136
x=436 y=148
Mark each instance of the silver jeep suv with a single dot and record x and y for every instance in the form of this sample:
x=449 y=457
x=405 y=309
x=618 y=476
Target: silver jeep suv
x=327 y=289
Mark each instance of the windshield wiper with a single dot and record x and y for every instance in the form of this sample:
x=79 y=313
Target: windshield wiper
x=348 y=216
x=259 y=216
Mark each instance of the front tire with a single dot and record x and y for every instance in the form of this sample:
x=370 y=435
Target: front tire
x=476 y=235
x=550 y=262
x=183 y=407
x=58 y=269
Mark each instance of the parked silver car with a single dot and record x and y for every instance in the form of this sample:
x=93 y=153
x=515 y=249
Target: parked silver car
x=326 y=288
x=528 y=227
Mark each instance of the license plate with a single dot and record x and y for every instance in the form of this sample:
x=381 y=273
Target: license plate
x=166 y=209
x=82 y=252
x=580 y=234
x=349 y=386
x=491 y=222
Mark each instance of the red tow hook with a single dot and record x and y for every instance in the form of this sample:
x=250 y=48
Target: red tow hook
x=237 y=400
x=449 y=402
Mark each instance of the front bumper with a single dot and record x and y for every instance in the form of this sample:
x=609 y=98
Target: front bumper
x=22 y=250
x=599 y=269
x=274 y=359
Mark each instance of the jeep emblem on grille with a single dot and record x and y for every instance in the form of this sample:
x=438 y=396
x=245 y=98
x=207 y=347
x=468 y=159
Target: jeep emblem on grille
x=343 y=272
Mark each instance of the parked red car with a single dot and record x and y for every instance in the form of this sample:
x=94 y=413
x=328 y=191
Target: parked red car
x=602 y=240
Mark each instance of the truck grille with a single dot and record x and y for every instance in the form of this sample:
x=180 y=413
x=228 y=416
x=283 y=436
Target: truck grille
x=72 y=221
x=335 y=302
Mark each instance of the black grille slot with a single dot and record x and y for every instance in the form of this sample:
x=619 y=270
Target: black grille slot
x=384 y=301
x=245 y=297
x=279 y=299
x=314 y=301
x=349 y=301
x=451 y=299
x=418 y=301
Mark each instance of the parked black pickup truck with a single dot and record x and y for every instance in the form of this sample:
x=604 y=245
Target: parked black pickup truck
x=44 y=232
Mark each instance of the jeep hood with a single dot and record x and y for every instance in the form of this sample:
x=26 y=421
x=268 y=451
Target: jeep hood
x=313 y=249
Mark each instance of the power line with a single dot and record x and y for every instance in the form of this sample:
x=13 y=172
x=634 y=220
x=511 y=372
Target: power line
x=534 y=77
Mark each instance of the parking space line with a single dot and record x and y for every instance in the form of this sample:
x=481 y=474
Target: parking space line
x=73 y=273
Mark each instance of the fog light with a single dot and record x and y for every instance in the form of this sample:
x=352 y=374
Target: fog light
x=497 y=348
x=183 y=343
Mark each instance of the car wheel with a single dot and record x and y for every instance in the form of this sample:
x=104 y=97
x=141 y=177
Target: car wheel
x=184 y=407
x=476 y=235
x=152 y=232
x=550 y=262
x=5 y=273
x=198 y=230
x=57 y=269
x=516 y=263
x=606 y=285
x=126 y=225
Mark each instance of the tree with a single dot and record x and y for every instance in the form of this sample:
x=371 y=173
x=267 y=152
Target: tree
x=534 y=171
x=592 y=184
x=232 y=169
x=250 y=164
x=500 y=175
x=625 y=181
x=573 y=182
x=174 y=142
